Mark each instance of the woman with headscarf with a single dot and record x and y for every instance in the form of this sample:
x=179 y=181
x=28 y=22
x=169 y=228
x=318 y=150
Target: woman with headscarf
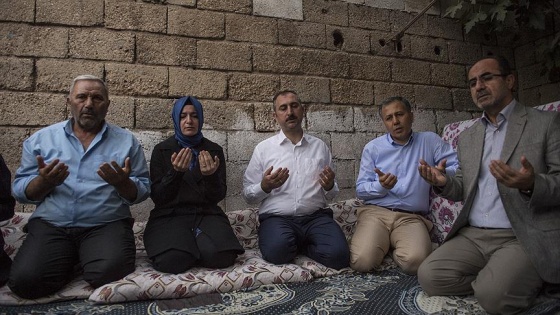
x=187 y=228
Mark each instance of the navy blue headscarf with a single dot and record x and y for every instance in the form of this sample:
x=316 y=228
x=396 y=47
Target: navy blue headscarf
x=185 y=141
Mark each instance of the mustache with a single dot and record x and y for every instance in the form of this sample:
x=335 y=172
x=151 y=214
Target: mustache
x=87 y=112
x=481 y=94
x=291 y=117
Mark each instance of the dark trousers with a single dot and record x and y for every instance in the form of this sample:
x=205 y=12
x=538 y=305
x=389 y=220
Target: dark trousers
x=317 y=236
x=48 y=256
x=5 y=265
x=212 y=244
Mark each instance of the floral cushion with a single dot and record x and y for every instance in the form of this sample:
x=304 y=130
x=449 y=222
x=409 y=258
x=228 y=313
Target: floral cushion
x=443 y=212
x=249 y=269
x=550 y=107
x=144 y=283
x=245 y=224
x=14 y=236
x=344 y=213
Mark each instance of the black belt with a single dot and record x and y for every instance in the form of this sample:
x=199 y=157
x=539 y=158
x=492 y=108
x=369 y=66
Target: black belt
x=406 y=211
x=399 y=210
x=489 y=228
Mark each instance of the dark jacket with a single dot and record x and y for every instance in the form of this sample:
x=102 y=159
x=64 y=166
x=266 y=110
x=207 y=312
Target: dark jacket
x=7 y=202
x=183 y=200
x=187 y=192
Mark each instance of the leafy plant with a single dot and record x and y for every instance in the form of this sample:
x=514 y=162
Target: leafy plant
x=513 y=16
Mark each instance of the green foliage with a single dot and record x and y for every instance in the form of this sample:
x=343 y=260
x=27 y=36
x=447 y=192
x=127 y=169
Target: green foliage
x=498 y=14
x=512 y=16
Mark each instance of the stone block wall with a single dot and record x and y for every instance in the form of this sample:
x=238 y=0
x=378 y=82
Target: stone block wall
x=234 y=55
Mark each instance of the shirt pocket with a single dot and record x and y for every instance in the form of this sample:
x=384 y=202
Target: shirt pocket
x=311 y=167
x=88 y=168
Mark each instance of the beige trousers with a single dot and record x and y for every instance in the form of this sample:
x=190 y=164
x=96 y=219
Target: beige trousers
x=489 y=263
x=378 y=230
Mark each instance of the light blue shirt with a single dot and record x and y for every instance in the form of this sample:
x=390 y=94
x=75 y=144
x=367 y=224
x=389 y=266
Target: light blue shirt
x=84 y=199
x=412 y=192
x=487 y=209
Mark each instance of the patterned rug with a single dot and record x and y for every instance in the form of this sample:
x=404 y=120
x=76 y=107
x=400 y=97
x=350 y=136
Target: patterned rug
x=386 y=292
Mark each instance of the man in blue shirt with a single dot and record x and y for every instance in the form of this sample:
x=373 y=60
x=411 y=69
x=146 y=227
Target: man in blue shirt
x=395 y=195
x=82 y=174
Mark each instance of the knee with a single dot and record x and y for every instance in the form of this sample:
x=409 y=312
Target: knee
x=497 y=302
x=410 y=268
x=30 y=284
x=24 y=285
x=173 y=261
x=280 y=254
x=338 y=262
x=491 y=301
x=426 y=279
x=409 y=263
x=334 y=257
x=107 y=270
x=360 y=266
x=5 y=266
x=218 y=259
x=279 y=251
x=361 y=263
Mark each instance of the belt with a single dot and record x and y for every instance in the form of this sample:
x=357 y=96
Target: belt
x=406 y=211
x=399 y=210
x=489 y=228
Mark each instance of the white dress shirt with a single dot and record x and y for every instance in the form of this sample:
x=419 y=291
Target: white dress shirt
x=302 y=193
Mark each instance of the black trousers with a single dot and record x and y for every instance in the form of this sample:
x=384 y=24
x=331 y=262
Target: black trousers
x=176 y=243
x=48 y=256
x=5 y=265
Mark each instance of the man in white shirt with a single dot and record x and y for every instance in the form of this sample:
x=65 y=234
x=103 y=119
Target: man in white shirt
x=290 y=175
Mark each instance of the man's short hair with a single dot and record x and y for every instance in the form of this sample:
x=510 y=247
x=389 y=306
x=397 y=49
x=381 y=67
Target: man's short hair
x=503 y=64
x=283 y=92
x=88 y=77
x=392 y=99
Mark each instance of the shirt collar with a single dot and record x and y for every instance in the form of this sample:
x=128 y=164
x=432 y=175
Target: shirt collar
x=68 y=127
x=281 y=137
x=392 y=142
x=502 y=116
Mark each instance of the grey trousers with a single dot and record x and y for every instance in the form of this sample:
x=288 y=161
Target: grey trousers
x=489 y=263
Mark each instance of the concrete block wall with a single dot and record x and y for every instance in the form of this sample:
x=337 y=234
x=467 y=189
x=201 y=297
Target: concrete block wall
x=234 y=55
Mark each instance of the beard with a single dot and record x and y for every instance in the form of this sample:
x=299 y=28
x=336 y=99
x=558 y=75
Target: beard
x=89 y=121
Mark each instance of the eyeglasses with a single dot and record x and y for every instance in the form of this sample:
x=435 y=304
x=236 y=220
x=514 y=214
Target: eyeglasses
x=484 y=78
